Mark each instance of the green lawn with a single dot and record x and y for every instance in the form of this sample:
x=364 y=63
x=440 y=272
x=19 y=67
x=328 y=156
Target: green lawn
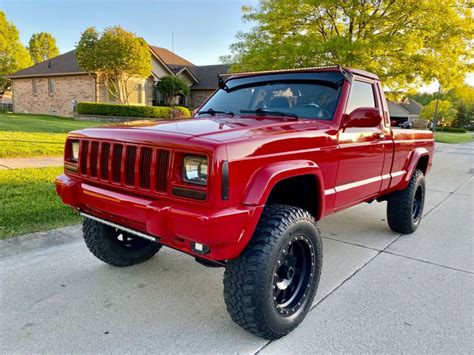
x=445 y=137
x=24 y=135
x=18 y=122
x=29 y=203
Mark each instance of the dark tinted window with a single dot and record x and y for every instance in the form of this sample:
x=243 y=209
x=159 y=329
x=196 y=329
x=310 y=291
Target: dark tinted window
x=307 y=99
x=362 y=95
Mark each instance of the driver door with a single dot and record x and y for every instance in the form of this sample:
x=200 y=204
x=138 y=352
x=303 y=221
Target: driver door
x=361 y=151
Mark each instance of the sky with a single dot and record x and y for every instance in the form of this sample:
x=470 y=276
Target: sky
x=202 y=30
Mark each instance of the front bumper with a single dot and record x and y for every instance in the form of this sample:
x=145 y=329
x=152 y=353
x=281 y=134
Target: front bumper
x=177 y=225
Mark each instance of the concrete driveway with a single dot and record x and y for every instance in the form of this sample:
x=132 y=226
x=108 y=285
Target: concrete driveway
x=380 y=292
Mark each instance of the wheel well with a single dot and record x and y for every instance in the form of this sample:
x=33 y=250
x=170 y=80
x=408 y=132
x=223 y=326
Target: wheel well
x=299 y=191
x=423 y=164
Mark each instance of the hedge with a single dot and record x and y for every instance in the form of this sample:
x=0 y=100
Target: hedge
x=451 y=129
x=100 y=109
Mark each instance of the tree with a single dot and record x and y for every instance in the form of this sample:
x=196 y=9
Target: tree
x=13 y=55
x=119 y=57
x=172 y=86
x=464 y=115
x=407 y=43
x=446 y=112
x=42 y=46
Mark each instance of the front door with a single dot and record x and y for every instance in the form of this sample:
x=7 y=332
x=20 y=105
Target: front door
x=361 y=151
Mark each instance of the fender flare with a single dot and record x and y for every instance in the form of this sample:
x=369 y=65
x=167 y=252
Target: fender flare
x=264 y=180
x=412 y=162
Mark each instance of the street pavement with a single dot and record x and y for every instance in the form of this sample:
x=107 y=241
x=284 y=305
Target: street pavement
x=379 y=292
x=20 y=163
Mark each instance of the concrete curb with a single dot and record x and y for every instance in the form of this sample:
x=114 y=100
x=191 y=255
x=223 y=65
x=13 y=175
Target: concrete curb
x=39 y=240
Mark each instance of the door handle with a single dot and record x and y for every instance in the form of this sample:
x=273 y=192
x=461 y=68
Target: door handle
x=379 y=136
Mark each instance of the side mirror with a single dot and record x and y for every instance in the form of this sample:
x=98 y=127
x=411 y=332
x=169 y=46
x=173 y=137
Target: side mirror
x=363 y=117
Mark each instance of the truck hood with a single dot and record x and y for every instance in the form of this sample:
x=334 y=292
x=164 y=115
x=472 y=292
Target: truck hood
x=223 y=129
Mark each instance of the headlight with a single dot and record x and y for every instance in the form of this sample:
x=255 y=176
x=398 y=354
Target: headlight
x=195 y=170
x=74 y=151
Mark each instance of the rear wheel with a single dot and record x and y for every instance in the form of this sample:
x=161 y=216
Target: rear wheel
x=270 y=287
x=405 y=207
x=116 y=247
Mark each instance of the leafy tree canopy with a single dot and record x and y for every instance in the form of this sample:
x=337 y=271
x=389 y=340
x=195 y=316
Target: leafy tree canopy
x=407 y=43
x=13 y=55
x=117 y=55
x=42 y=46
x=172 y=86
x=446 y=112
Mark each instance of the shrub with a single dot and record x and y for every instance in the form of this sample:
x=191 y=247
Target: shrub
x=100 y=109
x=171 y=87
x=451 y=129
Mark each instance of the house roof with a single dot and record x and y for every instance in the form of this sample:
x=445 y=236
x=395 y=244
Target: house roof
x=64 y=64
x=170 y=58
x=207 y=75
x=397 y=110
x=412 y=106
x=181 y=69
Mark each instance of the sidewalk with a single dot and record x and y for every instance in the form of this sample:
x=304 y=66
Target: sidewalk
x=20 y=163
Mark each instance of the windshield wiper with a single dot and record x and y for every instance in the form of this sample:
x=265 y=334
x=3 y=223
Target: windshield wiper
x=263 y=112
x=213 y=112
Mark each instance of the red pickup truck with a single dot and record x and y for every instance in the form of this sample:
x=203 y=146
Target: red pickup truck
x=242 y=184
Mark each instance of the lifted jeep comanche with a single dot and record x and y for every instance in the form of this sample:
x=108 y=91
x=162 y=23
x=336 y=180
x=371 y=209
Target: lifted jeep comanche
x=242 y=183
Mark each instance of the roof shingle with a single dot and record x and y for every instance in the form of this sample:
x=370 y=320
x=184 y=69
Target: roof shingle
x=169 y=57
x=62 y=64
x=207 y=75
x=396 y=110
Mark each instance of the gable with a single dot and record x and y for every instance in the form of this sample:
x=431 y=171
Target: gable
x=159 y=69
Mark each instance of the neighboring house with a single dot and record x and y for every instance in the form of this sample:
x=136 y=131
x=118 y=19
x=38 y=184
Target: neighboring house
x=55 y=86
x=5 y=97
x=407 y=110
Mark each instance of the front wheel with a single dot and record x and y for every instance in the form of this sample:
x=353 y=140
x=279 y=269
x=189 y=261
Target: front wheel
x=269 y=288
x=116 y=247
x=405 y=207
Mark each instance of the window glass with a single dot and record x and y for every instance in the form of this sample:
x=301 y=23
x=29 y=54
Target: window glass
x=306 y=99
x=51 y=86
x=362 y=95
x=34 y=88
x=139 y=89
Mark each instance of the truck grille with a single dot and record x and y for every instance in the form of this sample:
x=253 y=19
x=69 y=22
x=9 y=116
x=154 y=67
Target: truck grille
x=128 y=165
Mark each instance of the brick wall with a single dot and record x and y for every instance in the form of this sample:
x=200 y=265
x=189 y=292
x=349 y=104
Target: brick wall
x=197 y=97
x=66 y=88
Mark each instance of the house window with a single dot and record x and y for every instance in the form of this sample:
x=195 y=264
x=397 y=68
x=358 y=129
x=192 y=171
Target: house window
x=51 y=86
x=34 y=88
x=139 y=89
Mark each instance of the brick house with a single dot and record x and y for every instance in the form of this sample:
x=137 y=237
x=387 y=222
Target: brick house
x=56 y=85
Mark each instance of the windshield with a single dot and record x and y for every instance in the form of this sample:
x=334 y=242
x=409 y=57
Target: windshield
x=303 y=99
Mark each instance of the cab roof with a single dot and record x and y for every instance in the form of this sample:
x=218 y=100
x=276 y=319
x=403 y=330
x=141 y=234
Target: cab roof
x=331 y=68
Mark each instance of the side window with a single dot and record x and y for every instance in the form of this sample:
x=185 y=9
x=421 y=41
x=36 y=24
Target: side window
x=362 y=95
x=34 y=88
x=51 y=86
